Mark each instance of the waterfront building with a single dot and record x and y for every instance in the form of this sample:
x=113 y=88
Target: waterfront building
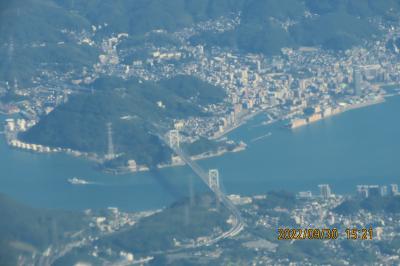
x=394 y=189
x=325 y=191
x=362 y=191
x=298 y=123
x=132 y=166
x=315 y=117
x=383 y=191
x=328 y=111
x=366 y=191
x=304 y=195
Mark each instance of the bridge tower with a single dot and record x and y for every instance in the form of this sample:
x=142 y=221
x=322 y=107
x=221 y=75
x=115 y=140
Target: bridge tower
x=213 y=182
x=357 y=80
x=173 y=138
x=213 y=179
x=110 y=151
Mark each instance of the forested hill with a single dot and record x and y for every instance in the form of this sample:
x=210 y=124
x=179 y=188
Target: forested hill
x=132 y=107
x=25 y=230
x=41 y=20
x=141 y=16
x=267 y=26
x=37 y=32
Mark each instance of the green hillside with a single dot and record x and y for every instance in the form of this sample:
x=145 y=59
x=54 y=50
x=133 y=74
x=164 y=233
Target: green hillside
x=371 y=204
x=30 y=31
x=156 y=232
x=141 y=16
x=335 y=25
x=26 y=230
x=194 y=89
x=332 y=31
x=132 y=108
x=26 y=24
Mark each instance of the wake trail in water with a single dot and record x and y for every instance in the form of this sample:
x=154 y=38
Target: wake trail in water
x=262 y=137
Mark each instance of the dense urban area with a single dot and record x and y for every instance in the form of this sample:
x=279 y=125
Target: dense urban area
x=302 y=85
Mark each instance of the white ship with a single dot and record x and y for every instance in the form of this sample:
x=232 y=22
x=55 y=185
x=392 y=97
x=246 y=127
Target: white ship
x=77 y=181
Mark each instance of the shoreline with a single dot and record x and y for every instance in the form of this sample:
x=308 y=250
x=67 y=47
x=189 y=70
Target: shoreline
x=198 y=157
x=13 y=143
x=244 y=119
x=206 y=155
x=365 y=104
x=344 y=109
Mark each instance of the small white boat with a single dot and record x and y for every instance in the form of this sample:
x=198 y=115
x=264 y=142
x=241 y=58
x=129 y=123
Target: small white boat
x=77 y=181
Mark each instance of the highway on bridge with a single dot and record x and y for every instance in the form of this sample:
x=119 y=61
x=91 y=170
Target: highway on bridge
x=238 y=223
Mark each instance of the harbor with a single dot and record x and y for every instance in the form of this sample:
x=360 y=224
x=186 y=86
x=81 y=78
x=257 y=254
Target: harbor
x=271 y=163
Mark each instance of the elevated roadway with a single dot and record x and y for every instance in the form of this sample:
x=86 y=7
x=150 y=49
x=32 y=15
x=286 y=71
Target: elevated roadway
x=238 y=223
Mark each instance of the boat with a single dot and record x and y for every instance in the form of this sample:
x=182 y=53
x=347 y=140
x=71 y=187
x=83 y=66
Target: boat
x=77 y=181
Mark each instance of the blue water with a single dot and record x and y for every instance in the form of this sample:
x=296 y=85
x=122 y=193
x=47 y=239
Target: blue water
x=357 y=147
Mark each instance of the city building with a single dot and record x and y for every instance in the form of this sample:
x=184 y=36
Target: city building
x=362 y=191
x=304 y=195
x=394 y=190
x=383 y=191
x=325 y=191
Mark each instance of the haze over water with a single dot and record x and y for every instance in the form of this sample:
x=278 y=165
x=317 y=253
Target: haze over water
x=357 y=147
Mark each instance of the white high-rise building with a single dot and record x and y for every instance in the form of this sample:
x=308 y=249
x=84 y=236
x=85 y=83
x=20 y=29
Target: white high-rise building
x=394 y=190
x=325 y=191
